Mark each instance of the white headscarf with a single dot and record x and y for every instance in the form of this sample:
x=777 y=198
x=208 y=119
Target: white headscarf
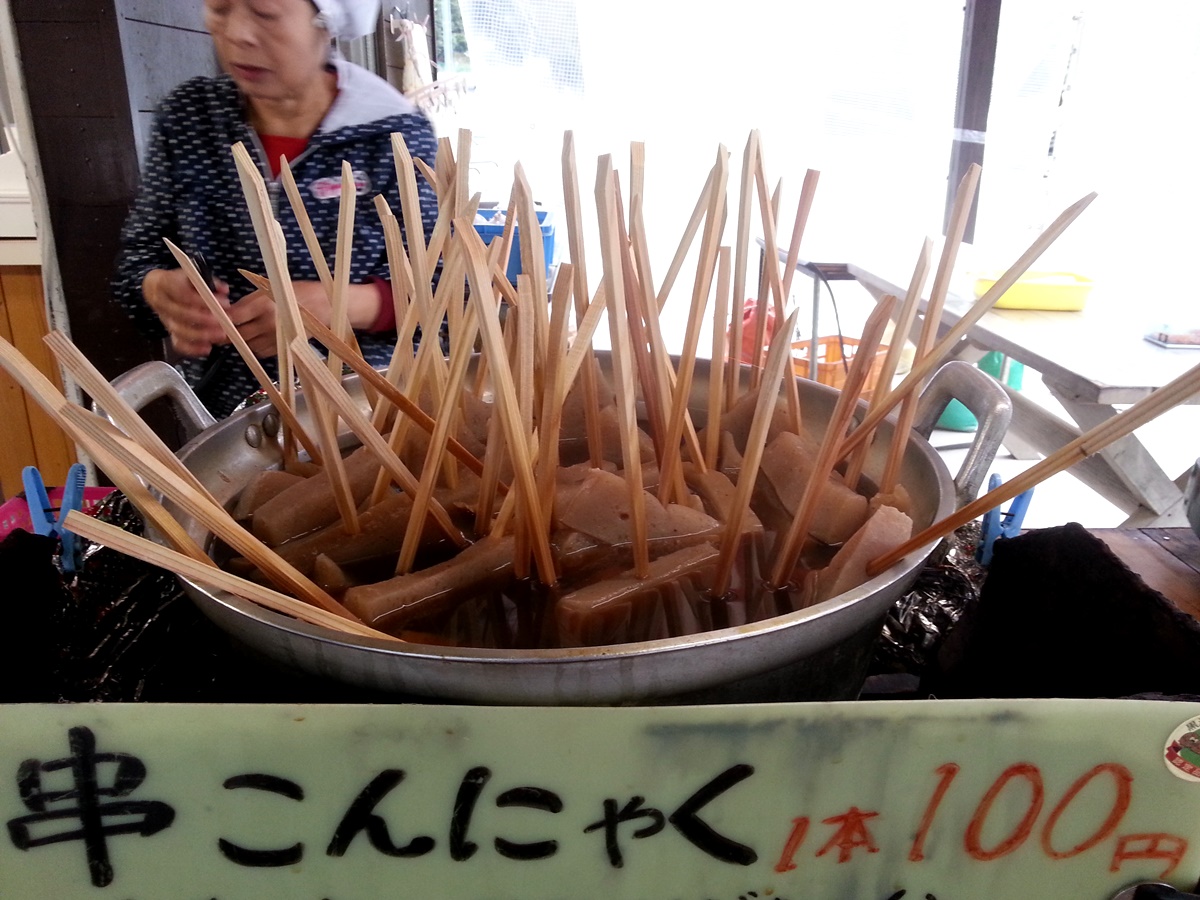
x=348 y=19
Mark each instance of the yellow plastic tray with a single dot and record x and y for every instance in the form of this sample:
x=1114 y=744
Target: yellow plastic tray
x=1041 y=290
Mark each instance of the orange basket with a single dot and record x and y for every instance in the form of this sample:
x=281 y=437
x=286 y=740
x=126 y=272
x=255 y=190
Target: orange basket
x=831 y=369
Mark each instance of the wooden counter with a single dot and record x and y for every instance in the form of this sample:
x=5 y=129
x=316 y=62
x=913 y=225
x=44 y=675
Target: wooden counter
x=1167 y=559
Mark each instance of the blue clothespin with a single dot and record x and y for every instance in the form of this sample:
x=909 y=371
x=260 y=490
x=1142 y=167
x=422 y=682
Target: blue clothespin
x=41 y=513
x=997 y=524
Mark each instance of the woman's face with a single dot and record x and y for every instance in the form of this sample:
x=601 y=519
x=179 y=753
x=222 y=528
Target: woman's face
x=271 y=48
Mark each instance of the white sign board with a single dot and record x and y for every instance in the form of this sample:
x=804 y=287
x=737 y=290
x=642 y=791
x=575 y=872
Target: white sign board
x=825 y=801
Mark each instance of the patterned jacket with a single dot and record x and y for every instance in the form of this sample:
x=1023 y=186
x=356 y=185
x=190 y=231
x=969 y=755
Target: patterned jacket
x=191 y=194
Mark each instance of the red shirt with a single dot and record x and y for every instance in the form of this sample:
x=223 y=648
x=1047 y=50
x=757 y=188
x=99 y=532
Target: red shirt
x=275 y=146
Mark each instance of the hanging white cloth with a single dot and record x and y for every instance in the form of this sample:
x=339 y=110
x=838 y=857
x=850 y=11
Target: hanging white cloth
x=418 y=70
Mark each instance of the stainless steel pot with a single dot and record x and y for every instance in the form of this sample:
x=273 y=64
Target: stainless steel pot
x=820 y=653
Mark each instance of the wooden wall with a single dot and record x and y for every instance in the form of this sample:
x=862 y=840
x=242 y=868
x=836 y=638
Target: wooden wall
x=94 y=73
x=75 y=82
x=30 y=437
x=163 y=43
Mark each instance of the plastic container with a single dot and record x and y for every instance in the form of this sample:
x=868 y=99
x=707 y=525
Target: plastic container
x=831 y=367
x=490 y=232
x=957 y=417
x=1064 y=291
x=14 y=513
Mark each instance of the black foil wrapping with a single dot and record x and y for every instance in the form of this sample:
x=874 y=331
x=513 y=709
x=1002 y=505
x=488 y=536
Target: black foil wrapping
x=917 y=625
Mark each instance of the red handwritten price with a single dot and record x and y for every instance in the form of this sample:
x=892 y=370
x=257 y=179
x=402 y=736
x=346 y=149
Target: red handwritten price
x=851 y=830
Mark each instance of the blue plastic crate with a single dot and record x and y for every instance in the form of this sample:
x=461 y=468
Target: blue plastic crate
x=489 y=232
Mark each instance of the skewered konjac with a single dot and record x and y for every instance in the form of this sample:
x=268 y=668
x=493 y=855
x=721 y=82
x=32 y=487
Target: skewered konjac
x=543 y=501
x=633 y=551
x=596 y=599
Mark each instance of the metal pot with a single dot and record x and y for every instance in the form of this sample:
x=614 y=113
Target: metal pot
x=820 y=653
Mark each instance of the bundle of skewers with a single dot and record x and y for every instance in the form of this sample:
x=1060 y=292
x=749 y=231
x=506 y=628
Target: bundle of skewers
x=523 y=490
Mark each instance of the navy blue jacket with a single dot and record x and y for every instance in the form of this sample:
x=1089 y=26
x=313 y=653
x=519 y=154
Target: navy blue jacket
x=191 y=194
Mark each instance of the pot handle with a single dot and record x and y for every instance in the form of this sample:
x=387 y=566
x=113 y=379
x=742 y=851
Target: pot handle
x=149 y=381
x=987 y=402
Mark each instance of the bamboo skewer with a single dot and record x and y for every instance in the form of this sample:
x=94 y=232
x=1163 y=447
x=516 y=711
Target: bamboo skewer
x=487 y=520
x=709 y=246
x=685 y=243
x=464 y=339
x=320 y=263
x=331 y=389
x=655 y=394
x=414 y=227
x=955 y=229
x=323 y=417
x=462 y=173
x=286 y=411
x=441 y=230
x=772 y=280
x=741 y=248
x=445 y=171
x=489 y=328
x=768 y=210
x=211 y=577
x=808 y=193
x=42 y=390
x=667 y=376
x=925 y=365
x=579 y=357
x=495 y=458
x=545 y=366
x=765 y=288
x=778 y=363
x=900 y=330
x=908 y=410
x=312 y=242
x=550 y=418
x=338 y=322
x=523 y=360
x=212 y=517
x=272 y=244
x=622 y=362
x=1087 y=444
x=386 y=389
x=326 y=420
x=790 y=546
x=856 y=461
x=533 y=260
x=428 y=356
x=525 y=373
x=427 y=173
x=404 y=299
x=716 y=370
x=152 y=511
x=637 y=177
x=441 y=175
x=115 y=406
x=575 y=243
x=500 y=251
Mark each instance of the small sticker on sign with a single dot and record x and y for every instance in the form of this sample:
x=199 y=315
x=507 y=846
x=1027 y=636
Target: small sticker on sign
x=1182 y=755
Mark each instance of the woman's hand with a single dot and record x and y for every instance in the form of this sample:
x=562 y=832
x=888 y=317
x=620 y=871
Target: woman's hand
x=254 y=314
x=192 y=327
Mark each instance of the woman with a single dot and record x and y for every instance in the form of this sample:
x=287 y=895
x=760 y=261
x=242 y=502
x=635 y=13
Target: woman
x=283 y=93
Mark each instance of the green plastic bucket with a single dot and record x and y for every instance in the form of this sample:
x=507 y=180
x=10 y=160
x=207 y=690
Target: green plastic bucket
x=956 y=416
